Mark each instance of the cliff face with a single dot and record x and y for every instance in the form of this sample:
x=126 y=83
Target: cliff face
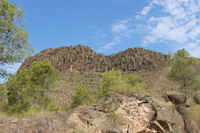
x=81 y=58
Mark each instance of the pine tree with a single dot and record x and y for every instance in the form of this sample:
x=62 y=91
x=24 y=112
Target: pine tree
x=43 y=75
x=184 y=69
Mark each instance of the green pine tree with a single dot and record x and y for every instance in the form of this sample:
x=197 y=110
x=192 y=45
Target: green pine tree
x=184 y=69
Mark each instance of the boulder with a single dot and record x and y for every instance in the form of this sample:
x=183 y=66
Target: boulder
x=197 y=97
x=175 y=97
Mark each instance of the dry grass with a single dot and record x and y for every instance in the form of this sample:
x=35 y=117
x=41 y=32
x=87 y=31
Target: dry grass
x=194 y=112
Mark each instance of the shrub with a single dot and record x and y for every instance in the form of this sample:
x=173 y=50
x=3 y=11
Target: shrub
x=2 y=93
x=132 y=80
x=112 y=81
x=52 y=107
x=3 y=106
x=83 y=96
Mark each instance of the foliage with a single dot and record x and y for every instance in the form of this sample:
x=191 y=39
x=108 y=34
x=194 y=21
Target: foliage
x=30 y=86
x=2 y=93
x=184 y=68
x=14 y=46
x=3 y=107
x=19 y=92
x=112 y=81
x=43 y=75
x=196 y=85
x=83 y=96
x=52 y=107
x=132 y=80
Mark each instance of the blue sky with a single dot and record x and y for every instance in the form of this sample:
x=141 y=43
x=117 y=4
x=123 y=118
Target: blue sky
x=110 y=26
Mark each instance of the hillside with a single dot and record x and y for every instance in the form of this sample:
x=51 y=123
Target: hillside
x=80 y=65
x=159 y=108
x=81 y=58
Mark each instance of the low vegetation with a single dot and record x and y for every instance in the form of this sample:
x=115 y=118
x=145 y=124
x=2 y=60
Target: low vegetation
x=83 y=96
x=27 y=89
x=113 y=81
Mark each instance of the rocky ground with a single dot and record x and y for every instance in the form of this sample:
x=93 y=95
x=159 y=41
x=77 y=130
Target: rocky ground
x=131 y=113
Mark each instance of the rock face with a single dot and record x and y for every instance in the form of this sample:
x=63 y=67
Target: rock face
x=116 y=113
x=81 y=58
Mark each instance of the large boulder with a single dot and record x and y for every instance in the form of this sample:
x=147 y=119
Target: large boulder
x=197 y=97
x=175 y=97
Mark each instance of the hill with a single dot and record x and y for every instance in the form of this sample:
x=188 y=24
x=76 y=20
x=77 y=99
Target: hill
x=80 y=65
x=83 y=58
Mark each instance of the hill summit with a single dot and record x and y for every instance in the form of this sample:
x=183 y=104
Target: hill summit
x=83 y=58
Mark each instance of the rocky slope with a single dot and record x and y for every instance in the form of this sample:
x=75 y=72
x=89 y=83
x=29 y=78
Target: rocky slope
x=131 y=113
x=116 y=113
x=81 y=58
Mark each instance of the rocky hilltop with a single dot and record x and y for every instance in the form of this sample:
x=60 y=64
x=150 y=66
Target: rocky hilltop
x=83 y=58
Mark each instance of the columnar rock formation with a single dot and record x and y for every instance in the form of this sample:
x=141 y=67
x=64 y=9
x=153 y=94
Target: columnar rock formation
x=81 y=58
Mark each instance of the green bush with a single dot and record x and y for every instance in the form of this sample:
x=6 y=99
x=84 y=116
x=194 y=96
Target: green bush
x=132 y=80
x=3 y=107
x=35 y=108
x=52 y=107
x=83 y=96
x=112 y=81
x=2 y=93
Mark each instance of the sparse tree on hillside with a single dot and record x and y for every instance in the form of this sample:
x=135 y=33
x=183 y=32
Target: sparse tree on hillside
x=184 y=69
x=14 y=46
x=43 y=75
x=30 y=86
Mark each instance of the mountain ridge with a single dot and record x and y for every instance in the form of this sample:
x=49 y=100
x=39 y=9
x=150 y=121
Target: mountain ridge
x=83 y=58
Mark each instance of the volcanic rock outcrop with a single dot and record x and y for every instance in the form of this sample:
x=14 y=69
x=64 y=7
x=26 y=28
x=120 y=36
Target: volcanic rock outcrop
x=81 y=58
